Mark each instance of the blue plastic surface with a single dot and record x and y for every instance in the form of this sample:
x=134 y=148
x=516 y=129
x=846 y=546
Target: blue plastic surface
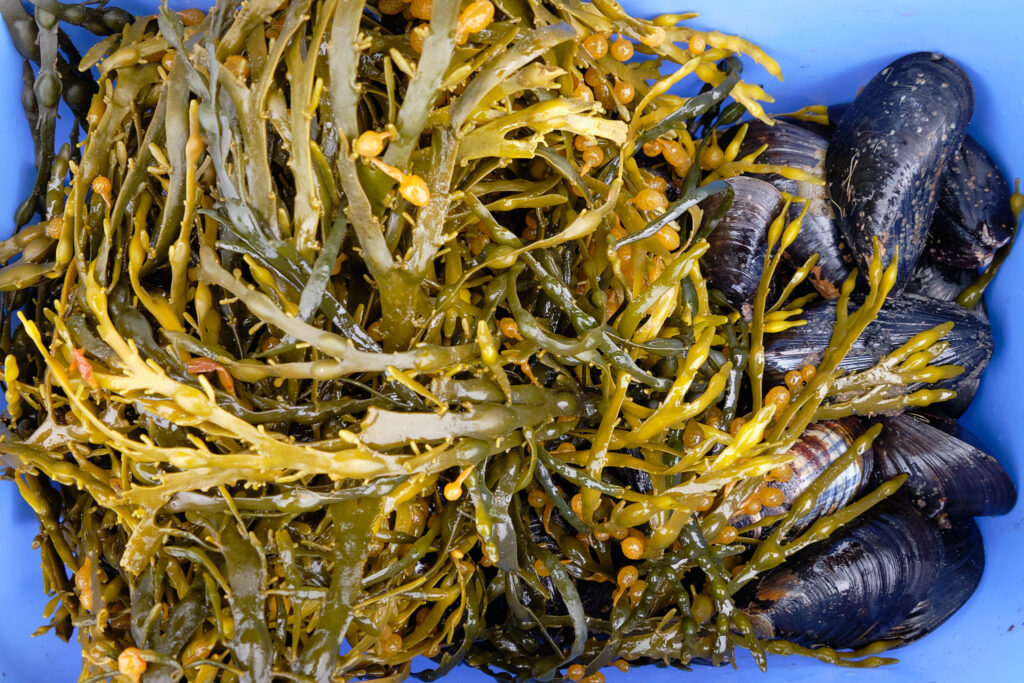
x=827 y=51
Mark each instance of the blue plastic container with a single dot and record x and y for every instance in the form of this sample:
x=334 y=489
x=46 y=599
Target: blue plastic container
x=827 y=51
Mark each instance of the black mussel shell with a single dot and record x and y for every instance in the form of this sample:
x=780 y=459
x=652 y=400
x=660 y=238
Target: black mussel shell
x=973 y=217
x=735 y=259
x=635 y=480
x=887 y=156
x=836 y=112
x=960 y=573
x=945 y=474
x=860 y=582
x=596 y=597
x=660 y=168
x=821 y=444
x=969 y=343
x=938 y=281
x=790 y=145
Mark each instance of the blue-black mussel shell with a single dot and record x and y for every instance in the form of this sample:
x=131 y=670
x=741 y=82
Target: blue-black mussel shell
x=889 y=152
x=969 y=343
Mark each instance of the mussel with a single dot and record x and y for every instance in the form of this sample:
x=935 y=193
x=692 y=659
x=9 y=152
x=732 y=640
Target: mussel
x=945 y=474
x=969 y=343
x=595 y=597
x=636 y=480
x=973 y=216
x=821 y=444
x=657 y=167
x=791 y=145
x=938 y=281
x=962 y=566
x=735 y=259
x=836 y=112
x=862 y=581
x=887 y=156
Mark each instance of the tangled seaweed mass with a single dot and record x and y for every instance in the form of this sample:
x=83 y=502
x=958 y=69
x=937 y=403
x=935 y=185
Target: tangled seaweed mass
x=344 y=332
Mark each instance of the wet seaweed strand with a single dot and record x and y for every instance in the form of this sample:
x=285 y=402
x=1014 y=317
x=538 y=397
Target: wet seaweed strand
x=354 y=332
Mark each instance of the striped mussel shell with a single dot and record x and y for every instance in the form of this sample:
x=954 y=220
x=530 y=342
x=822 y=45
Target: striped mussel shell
x=821 y=444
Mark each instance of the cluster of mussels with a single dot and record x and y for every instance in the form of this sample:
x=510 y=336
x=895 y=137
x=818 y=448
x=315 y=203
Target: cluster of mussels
x=353 y=332
x=897 y=166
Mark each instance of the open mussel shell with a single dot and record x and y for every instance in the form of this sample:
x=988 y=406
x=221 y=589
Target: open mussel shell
x=944 y=474
x=821 y=444
x=938 y=281
x=887 y=156
x=973 y=217
x=969 y=343
x=962 y=566
x=860 y=582
x=791 y=145
x=735 y=259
